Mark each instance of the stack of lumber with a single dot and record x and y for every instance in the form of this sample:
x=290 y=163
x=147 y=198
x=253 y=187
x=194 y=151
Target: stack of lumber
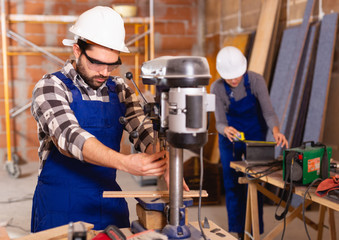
x=302 y=75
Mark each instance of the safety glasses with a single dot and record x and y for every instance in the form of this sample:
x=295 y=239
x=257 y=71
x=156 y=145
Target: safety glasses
x=97 y=65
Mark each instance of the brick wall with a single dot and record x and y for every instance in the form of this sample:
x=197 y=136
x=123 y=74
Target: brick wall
x=227 y=17
x=177 y=26
x=175 y=34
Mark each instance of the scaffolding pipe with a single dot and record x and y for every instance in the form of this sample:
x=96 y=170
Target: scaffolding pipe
x=42 y=18
x=138 y=37
x=151 y=12
x=19 y=38
x=16 y=111
x=65 y=19
x=5 y=74
x=151 y=37
x=136 y=56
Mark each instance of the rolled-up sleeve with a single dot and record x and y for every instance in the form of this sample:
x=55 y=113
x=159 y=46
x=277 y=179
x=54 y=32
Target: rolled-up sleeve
x=136 y=117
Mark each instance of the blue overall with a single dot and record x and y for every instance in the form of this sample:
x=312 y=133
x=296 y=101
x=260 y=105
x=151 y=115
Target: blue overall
x=245 y=116
x=69 y=190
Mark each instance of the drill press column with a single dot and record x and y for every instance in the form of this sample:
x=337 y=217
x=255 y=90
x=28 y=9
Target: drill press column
x=176 y=185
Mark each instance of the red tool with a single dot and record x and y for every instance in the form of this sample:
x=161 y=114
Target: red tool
x=110 y=233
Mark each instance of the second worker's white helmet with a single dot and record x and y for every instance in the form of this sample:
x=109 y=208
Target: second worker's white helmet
x=231 y=63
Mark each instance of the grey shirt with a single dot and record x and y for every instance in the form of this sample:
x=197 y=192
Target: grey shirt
x=258 y=89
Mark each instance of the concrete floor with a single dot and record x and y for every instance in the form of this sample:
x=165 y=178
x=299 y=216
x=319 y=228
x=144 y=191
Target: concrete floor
x=16 y=200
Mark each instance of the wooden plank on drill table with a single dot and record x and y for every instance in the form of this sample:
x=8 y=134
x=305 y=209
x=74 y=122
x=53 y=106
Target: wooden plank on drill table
x=141 y=194
x=322 y=75
x=54 y=233
x=261 y=55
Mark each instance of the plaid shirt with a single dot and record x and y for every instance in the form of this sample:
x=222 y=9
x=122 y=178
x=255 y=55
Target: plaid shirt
x=51 y=109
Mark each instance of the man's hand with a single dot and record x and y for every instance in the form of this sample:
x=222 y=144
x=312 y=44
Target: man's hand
x=143 y=164
x=166 y=174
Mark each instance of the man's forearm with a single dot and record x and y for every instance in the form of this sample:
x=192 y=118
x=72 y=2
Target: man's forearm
x=97 y=153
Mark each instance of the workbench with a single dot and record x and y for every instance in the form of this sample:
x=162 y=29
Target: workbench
x=212 y=232
x=276 y=179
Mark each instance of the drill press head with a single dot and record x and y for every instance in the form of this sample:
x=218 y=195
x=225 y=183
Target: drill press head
x=179 y=71
x=183 y=101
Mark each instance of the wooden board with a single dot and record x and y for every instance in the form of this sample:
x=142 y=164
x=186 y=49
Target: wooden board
x=300 y=96
x=322 y=74
x=3 y=234
x=286 y=71
x=331 y=128
x=53 y=233
x=239 y=41
x=283 y=76
x=141 y=194
x=298 y=123
x=265 y=38
x=151 y=219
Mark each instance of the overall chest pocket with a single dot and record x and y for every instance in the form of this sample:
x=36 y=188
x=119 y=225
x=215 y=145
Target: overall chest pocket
x=96 y=114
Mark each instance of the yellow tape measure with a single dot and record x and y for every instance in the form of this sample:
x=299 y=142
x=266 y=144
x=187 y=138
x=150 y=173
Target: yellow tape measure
x=240 y=136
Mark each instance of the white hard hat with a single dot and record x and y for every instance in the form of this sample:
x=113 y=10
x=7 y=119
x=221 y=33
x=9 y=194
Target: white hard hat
x=101 y=25
x=231 y=63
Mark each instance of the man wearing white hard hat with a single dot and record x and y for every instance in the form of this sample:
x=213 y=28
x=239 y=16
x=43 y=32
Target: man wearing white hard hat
x=77 y=110
x=242 y=105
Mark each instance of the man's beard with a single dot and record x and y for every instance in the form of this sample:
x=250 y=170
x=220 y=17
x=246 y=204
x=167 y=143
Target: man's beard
x=84 y=75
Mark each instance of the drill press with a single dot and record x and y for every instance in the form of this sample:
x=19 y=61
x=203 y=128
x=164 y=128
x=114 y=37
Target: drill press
x=182 y=103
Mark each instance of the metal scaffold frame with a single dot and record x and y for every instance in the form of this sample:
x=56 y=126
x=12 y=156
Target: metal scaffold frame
x=146 y=24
